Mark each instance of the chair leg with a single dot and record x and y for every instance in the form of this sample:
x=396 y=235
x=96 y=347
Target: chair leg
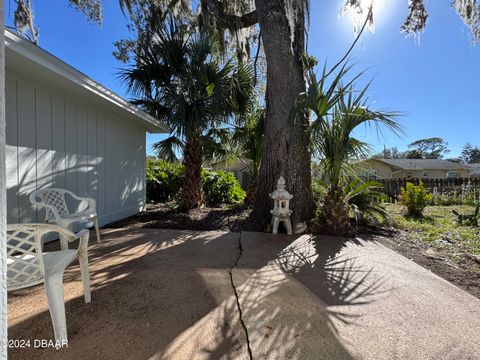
x=56 y=304
x=63 y=242
x=83 y=260
x=97 y=230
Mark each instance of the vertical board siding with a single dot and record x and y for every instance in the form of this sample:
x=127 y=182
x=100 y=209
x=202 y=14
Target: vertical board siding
x=82 y=151
x=92 y=165
x=109 y=178
x=13 y=216
x=27 y=149
x=71 y=146
x=58 y=142
x=123 y=159
x=101 y=200
x=116 y=180
x=43 y=111
x=54 y=140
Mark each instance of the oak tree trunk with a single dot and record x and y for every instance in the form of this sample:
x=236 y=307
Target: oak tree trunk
x=192 y=194
x=285 y=152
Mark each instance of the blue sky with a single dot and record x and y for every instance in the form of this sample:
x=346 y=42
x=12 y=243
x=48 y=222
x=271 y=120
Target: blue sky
x=434 y=82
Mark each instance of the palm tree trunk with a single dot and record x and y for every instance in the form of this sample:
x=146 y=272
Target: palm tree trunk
x=285 y=151
x=334 y=219
x=192 y=194
x=250 y=197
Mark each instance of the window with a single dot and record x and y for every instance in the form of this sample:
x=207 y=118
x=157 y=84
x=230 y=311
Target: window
x=371 y=174
x=452 y=175
x=425 y=174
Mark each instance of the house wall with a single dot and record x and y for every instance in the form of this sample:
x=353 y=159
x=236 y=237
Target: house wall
x=383 y=170
x=432 y=174
x=56 y=139
x=239 y=170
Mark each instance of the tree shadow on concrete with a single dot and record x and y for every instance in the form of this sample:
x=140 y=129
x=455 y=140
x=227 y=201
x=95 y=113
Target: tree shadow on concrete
x=293 y=305
x=160 y=294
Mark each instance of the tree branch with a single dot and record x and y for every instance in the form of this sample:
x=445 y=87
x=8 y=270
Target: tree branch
x=228 y=20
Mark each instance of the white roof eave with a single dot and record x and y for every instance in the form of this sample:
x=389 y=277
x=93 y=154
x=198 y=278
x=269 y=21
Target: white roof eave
x=17 y=47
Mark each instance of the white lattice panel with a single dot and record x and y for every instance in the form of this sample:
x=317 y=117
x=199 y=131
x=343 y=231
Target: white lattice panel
x=24 y=256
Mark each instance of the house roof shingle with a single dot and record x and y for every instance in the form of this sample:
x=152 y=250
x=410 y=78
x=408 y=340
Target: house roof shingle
x=474 y=166
x=425 y=164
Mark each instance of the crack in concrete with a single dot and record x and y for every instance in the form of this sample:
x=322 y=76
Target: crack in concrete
x=239 y=307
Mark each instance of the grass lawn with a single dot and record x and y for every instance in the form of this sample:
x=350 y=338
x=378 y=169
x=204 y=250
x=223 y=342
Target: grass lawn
x=439 y=229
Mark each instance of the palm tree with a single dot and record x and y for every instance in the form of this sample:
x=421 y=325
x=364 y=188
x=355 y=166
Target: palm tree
x=243 y=142
x=339 y=110
x=248 y=140
x=179 y=79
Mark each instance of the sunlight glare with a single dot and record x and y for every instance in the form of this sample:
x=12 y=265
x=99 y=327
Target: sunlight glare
x=359 y=13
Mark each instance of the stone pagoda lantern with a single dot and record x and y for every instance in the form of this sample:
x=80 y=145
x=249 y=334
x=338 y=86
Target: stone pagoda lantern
x=281 y=208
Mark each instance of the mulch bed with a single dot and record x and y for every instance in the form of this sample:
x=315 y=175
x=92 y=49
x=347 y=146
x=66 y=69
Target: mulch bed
x=163 y=216
x=464 y=273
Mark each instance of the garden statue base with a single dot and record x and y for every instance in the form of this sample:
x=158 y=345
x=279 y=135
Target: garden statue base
x=276 y=220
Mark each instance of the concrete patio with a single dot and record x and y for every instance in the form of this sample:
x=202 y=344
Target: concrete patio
x=170 y=294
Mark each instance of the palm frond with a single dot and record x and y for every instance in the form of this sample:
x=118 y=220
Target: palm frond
x=339 y=110
x=168 y=149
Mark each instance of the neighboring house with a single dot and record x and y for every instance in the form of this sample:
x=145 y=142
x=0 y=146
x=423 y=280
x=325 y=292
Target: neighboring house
x=65 y=130
x=475 y=170
x=238 y=168
x=411 y=169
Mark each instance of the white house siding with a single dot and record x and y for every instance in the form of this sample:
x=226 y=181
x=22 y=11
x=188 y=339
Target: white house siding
x=57 y=140
x=386 y=171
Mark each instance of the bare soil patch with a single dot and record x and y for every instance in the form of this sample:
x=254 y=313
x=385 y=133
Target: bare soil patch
x=462 y=271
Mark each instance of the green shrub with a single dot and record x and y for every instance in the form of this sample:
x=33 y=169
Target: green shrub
x=221 y=187
x=164 y=183
x=164 y=180
x=415 y=198
x=469 y=219
x=364 y=199
x=366 y=202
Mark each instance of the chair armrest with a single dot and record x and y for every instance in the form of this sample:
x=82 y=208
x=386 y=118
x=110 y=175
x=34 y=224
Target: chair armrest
x=69 y=235
x=92 y=203
x=83 y=235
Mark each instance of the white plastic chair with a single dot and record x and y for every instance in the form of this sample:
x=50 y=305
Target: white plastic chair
x=57 y=211
x=28 y=265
